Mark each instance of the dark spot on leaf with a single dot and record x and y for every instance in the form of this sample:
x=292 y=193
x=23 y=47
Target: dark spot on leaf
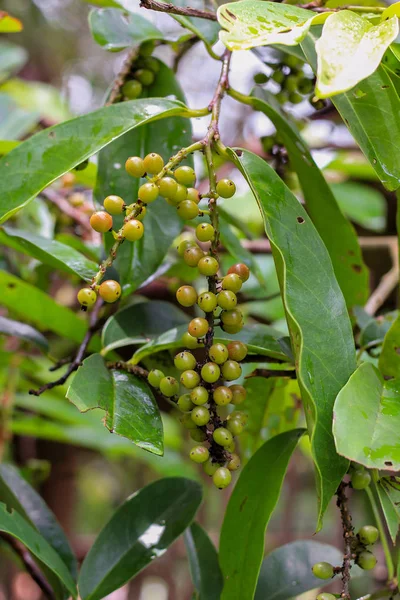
x=52 y=134
x=300 y=220
x=385 y=87
x=232 y=16
x=350 y=252
x=397 y=349
x=241 y=507
x=357 y=268
x=388 y=463
x=11 y=286
x=238 y=152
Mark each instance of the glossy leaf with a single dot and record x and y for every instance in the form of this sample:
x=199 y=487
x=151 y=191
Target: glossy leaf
x=375 y=328
x=9 y=24
x=47 y=155
x=389 y=359
x=341 y=241
x=142 y=529
x=131 y=410
x=248 y=512
x=317 y=317
x=206 y=30
x=203 y=560
x=250 y=23
x=363 y=205
x=49 y=252
x=137 y=261
x=389 y=499
x=23 y=331
x=286 y=572
x=349 y=50
x=14 y=525
x=138 y=323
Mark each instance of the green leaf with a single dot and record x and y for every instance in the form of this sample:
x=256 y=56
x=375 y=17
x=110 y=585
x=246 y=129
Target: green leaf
x=131 y=410
x=374 y=329
x=9 y=24
x=367 y=419
x=137 y=261
x=341 y=241
x=17 y=494
x=364 y=205
x=389 y=499
x=40 y=98
x=13 y=524
x=141 y=530
x=250 y=23
x=286 y=572
x=14 y=121
x=49 y=252
x=248 y=512
x=317 y=317
x=12 y=58
x=349 y=50
x=203 y=560
x=47 y=155
x=138 y=323
x=389 y=359
x=23 y=331
x=206 y=30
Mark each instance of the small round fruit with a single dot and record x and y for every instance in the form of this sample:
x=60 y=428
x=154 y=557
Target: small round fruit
x=235 y=426
x=87 y=297
x=148 y=192
x=114 y=204
x=77 y=199
x=240 y=269
x=237 y=350
x=222 y=436
x=210 y=467
x=210 y=372
x=200 y=415
x=147 y=48
x=186 y=295
x=146 y=77
x=232 y=328
x=199 y=454
x=199 y=395
x=218 y=353
x=368 y=535
x=132 y=89
x=184 y=360
x=154 y=377
x=169 y=386
x=366 y=560
x=208 y=266
x=227 y=300
x=187 y=210
x=184 y=245
x=151 y=63
x=190 y=379
x=226 y=188
x=187 y=422
x=193 y=194
x=101 y=221
x=180 y=194
x=231 y=370
x=167 y=187
x=222 y=395
x=139 y=210
x=192 y=256
x=239 y=415
x=198 y=435
x=110 y=290
x=234 y=463
x=326 y=596
x=232 y=282
x=207 y=301
x=323 y=570
x=190 y=342
x=133 y=230
x=135 y=166
x=198 y=327
x=238 y=394
x=232 y=317
x=185 y=175
x=184 y=403
x=205 y=232
x=260 y=78
x=360 y=479
x=222 y=478
x=153 y=163
x=231 y=447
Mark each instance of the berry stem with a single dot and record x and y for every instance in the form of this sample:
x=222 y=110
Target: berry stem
x=382 y=532
x=176 y=159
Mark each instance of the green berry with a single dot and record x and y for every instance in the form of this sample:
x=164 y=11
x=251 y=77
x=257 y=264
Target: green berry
x=240 y=269
x=239 y=415
x=237 y=350
x=148 y=192
x=226 y=188
x=153 y=163
x=186 y=295
x=154 y=377
x=232 y=282
x=210 y=467
x=360 y=479
x=110 y=290
x=185 y=403
x=326 y=596
x=295 y=98
x=189 y=341
x=185 y=175
x=238 y=394
x=87 y=297
x=210 y=372
x=290 y=83
x=234 y=463
x=188 y=422
x=199 y=454
x=193 y=194
x=222 y=395
x=101 y=221
x=167 y=187
x=232 y=317
x=235 y=426
x=198 y=327
x=185 y=360
x=187 y=210
x=305 y=85
x=180 y=195
x=146 y=78
x=205 y=232
x=133 y=230
x=151 y=63
x=222 y=436
x=278 y=76
x=132 y=89
x=114 y=204
x=193 y=255
x=169 y=386
x=231 y=447
x=135 y=166
x=200 y=415
x=232 y=328
x=199 y=395
x=368 y=535
x=218 y=353
x=190 y=379
x=208 y=266
x=198 y=435
x=147 y=48
x=323 y=570
x=366 y=560
x=184 y=245
x=260 y=78
x=231 y=370
x=227 y=300
x=222 y=478
x=207 y=301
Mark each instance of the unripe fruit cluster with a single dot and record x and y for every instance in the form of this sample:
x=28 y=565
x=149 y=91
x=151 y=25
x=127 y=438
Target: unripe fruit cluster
x=290 y=80
x=142 y=74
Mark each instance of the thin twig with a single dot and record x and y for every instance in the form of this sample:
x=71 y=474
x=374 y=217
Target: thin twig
x=177 y=10
x=289 y=374
x=387 y=284
x=126 y=366
x=66 y=208
x=348 y=535
x=121 y=77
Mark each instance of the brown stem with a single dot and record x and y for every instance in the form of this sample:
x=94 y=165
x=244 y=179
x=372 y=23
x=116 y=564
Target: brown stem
x=121 y=77
x=125 y=366
x=177 y=10
x=348 y=535
x=272 y=373
x=66 y=208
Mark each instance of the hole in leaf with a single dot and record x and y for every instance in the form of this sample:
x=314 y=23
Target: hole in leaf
x=300 y=220
x=356 y=268
x=388 y=463
x=238 y=152
x=11 y=286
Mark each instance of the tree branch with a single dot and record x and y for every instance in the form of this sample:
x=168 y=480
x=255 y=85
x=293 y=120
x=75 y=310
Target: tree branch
x=348 y=535
x=177 y=10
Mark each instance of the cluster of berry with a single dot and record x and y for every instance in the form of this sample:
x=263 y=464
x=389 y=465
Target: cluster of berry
x=293 y=83
x=142 y=72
